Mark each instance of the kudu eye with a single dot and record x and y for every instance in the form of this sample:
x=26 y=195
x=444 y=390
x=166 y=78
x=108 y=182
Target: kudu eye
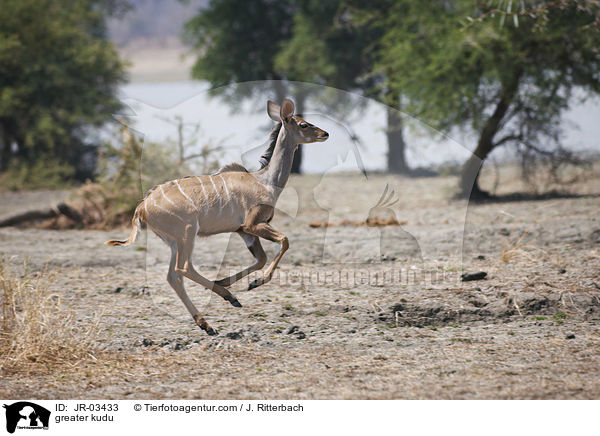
x=303 y=125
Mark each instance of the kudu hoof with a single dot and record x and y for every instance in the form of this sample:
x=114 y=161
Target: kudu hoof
x=234 y=301
x=204 y=326
x=211 y=331
x=255 y=284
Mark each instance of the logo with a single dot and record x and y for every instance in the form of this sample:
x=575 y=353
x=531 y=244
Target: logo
x=26 y=415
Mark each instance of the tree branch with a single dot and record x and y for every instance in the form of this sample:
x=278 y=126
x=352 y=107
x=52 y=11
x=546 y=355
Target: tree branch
x=508 y=138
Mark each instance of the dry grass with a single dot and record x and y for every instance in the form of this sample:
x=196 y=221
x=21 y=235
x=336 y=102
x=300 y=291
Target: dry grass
x=38 y=331
x=519 y=250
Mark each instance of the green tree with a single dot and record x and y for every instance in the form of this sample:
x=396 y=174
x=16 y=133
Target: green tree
x=237 y=42
x=329 y=48
x=58 y=79
x=510 y=82
x=278 y=43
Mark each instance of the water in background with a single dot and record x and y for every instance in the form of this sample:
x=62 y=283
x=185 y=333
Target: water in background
x=243 y=129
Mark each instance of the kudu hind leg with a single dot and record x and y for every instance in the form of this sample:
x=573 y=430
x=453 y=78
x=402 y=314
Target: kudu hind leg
x=183 y=266
x=254 y=246
x=176 y=281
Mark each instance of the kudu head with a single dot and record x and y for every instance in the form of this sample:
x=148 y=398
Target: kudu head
x=299 y=131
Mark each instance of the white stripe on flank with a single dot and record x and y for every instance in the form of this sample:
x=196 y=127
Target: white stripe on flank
x=168 y=211
x=216 y=192
x=165 y=195
x=146 y=205
x=185 y=195
x=226 y=190
x=204 y=191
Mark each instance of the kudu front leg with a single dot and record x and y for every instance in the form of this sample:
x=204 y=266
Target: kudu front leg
x=265 y=231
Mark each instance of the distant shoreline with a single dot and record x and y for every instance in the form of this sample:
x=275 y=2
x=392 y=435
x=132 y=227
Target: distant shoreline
x=149 y=61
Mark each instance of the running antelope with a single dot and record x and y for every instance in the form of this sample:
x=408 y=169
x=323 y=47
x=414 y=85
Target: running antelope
x=232 y=200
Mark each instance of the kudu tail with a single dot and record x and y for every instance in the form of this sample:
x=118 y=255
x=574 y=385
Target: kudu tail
x=136 y=223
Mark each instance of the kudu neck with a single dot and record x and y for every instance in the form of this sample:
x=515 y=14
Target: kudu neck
x=277 y=172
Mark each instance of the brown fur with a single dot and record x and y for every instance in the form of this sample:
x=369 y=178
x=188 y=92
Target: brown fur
x=231 y=200
x=232 y=167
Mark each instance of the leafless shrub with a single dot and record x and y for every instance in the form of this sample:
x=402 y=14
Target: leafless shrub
x=130 y=168
x=38 y=332
x=544 y=171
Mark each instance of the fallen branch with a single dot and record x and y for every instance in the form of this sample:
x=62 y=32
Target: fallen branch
x=41 y=214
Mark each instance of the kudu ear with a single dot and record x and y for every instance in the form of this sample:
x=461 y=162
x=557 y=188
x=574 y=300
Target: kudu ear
x=287 y=109
x=274 y=111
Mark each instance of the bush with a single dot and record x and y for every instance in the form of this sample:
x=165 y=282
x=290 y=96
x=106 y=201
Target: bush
x=37 y=330
x=45 y=173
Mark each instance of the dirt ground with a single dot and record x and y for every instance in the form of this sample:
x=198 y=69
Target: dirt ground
x=353 y=312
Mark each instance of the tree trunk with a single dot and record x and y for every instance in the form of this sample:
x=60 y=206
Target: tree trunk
x=4 y=149
x=8 y=139
x=297 y=162
x=280 y=90
x=469 y=178
x=396 y=156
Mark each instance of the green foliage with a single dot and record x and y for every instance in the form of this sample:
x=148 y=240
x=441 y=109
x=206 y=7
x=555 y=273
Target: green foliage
x=258 y=47
x=285 y=40
x=237 y=41
x=44 y=173
x=455 y=75
x=324 y=47
x=328 y=48
x=302 y=57
x=509 y=84
x=58 y=79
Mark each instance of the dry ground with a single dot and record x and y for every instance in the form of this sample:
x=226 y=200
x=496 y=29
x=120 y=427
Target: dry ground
x=332 y=324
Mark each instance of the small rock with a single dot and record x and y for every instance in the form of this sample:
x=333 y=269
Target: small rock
x=570 y=336
x=119 y=289
x=504 y=232
x=301 y=335
x=397 y=308
x=468 y=277
x=562 y=271
x=477 y=302
x=576 y=239
x=293 y=329
x=480 y=257
x=235 y=335
x=147 y=342
x=530 y=302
